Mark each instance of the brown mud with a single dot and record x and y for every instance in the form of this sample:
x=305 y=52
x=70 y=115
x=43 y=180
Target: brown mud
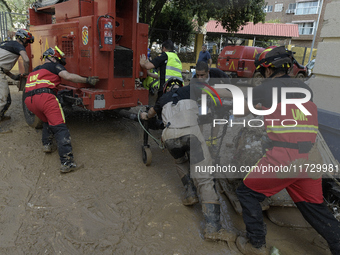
x=114 y=204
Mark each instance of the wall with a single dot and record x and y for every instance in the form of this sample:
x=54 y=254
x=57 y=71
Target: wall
x=326 y=84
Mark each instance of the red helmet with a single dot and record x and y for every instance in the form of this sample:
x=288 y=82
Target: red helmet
x=173 y=81
x=56 y=53
x=24 y=34
x=274 y=57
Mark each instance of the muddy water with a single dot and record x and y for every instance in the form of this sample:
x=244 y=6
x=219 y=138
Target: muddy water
x=114 y=204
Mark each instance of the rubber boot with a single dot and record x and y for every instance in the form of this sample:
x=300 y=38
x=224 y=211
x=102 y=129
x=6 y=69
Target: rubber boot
x=5 y=117
x=5 y=130
x=247 y=248
x=213 y=229
x=190 y=191
x=69 y=166
x=47 y=148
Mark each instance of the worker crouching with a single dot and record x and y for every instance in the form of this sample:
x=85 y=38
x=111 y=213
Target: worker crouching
x=179 y=115
x=41 y=99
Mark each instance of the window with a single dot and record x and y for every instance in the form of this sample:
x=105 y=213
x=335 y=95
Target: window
x=278 y=7
x=306 y=28
x=304 y=8
x=291 y=8
x=268 y=8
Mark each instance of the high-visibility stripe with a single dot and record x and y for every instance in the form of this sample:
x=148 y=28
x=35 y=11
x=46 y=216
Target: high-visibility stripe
x=173 y=66
x=167 y=77
x=173 y=69
x=61 y=110
x=32 y=84
x=296 y=129
x=264 y=156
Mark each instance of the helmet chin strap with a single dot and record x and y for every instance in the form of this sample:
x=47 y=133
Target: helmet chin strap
x=22 y=40
x=50 y=59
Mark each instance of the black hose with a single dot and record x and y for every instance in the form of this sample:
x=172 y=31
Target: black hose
x=100 y=39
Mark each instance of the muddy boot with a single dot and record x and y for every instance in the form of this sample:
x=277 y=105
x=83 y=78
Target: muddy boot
x=190 y=197
x=47 y=148
x=5 y=130
x=213 y=229
x=247 y=248
x=69 y=166
x=4 y=118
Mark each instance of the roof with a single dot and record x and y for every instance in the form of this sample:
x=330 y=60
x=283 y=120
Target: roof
x=260 y=29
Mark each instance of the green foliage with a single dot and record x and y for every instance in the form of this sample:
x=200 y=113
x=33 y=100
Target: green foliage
x=273 y=21
x=175 y=25
x=4 y=6
x=232 y=14
x=187 y=57
x=19 y=7
x=18 y=10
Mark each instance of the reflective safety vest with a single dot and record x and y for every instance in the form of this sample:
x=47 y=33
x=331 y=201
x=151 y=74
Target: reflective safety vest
x=180 y=115
x=294 y=126
x=150 y=82
x=173 y=66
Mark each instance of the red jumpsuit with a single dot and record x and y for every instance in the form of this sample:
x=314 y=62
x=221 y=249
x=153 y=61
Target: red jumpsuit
x=305 y=192
x=40 y=92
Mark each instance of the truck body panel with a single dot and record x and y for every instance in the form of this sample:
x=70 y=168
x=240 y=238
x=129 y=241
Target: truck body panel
x=99 y=38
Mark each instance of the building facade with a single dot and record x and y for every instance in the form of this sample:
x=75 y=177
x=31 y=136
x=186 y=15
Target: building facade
x=304 y=13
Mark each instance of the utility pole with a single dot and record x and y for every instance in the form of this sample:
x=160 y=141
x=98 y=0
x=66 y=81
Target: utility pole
x=315 y=32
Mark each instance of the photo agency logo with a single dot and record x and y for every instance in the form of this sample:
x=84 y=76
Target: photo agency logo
x=204 y=98
x=298 y=113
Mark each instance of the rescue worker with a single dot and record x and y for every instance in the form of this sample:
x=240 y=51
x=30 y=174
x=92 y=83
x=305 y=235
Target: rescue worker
x=289 y=145
x=179 y=115
x=211 y=76
x=168 y=63
x=10 y=51
x=151 y=82
x=41 y=99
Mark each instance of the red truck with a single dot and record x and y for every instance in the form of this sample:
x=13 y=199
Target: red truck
x=238 y=61
x=99 y=38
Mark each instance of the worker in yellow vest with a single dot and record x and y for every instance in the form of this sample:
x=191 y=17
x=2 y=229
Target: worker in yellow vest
x=168 y=63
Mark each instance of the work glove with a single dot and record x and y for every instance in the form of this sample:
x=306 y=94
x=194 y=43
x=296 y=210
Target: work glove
x=92 y=80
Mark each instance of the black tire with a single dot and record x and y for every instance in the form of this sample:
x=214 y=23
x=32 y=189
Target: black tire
x=300 y=76
x=31 y=119
x=257 y=79
x=147 y=155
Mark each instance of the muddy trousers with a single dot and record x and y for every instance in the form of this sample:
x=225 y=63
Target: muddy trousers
x=5 y=96
x=63 y=139
x=317 y=215
x=179 y=148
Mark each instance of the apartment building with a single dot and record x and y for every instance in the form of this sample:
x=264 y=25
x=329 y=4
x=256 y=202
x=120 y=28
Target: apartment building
x=304 y=13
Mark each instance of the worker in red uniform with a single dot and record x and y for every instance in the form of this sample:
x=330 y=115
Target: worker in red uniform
x=41 y=99
x=291 y=142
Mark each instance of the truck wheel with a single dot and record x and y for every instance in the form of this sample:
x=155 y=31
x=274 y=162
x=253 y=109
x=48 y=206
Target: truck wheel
x=31 y=119
x=257 y=79
x=300 y=76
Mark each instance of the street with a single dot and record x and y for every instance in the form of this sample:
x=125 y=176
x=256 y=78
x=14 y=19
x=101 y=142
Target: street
x=114 y=204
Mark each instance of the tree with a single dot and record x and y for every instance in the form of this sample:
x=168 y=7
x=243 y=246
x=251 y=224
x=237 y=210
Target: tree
x=16 y=11
x=19 y=11
x=232 y=14
x=174 y=24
